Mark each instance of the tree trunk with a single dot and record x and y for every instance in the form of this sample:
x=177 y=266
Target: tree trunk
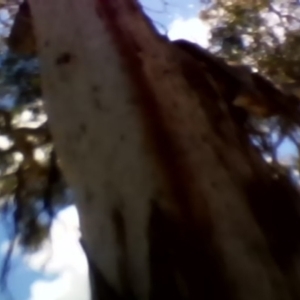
x=173 y=202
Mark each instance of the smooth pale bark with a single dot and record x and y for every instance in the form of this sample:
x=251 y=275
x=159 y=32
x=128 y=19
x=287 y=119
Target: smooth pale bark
x=161 y=181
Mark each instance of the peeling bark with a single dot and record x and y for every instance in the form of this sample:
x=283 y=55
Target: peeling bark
x=167 y=189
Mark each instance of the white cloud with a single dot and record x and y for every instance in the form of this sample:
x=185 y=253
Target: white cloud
x=69 y=285
x=192 y=29
x=62 y=251
x=57 y=289
x=63 y=256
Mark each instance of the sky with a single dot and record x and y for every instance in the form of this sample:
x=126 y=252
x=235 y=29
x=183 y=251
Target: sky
x=59 y=270
x=53 y=272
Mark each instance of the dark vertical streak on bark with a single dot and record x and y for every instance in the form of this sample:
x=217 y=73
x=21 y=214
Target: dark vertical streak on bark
x=99 y=286
x=184 y=266
x=275 y=206
x=120 y=232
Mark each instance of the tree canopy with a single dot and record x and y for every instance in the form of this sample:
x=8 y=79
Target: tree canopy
x=264 y=35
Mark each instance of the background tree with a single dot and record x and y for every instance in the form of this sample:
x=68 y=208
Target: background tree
x=32 y=188
x=263 y=35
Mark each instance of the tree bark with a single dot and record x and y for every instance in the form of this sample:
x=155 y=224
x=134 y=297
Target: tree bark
x=173 y=203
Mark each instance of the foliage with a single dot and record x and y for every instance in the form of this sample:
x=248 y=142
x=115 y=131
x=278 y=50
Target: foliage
x=30 y=180
x=264 y=34
x=31 y=185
